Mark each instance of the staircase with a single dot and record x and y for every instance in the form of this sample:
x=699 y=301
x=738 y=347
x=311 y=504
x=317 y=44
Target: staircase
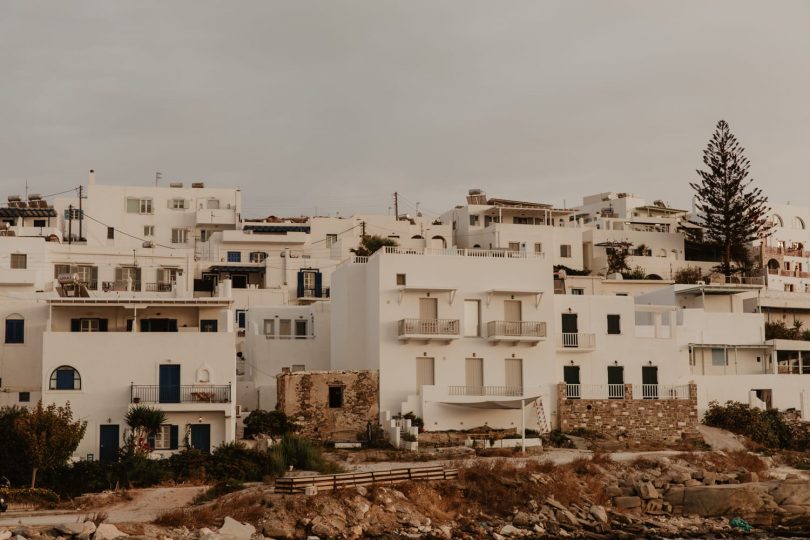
x=540 y=411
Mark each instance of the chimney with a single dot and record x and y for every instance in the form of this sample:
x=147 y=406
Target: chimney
x=91 y=179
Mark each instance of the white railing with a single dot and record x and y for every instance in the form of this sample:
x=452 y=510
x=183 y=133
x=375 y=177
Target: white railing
x=516 y=329
x=359 y=259
x=661 y=391
x=737 y=280
x=594 y=391
x=431 y=327
x=458 y=252
x=570 y=340
x=485 y=391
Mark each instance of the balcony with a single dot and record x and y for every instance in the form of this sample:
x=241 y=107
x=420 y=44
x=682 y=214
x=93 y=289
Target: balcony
x=625 y=391
x=202 y=393
x=575 y=341
x=499 y=391
x=428 y=329
x=516 y=331
x=458 y=252
x=17 y=276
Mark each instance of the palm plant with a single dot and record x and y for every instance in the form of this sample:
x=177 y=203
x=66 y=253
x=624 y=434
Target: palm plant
x=145 y=422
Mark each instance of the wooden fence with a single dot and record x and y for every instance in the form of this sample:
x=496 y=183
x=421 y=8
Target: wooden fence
x=329 y=482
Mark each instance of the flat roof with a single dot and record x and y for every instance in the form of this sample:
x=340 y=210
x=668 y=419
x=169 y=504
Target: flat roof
x=718 y=289
x=139 y=301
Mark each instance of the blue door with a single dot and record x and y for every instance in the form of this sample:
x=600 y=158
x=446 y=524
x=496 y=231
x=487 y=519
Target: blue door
x=201 y=437
x=169 y=383
x=108 y=442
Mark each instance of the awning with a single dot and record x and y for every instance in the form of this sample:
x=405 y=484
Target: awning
x=508 y=404
x=6 y=212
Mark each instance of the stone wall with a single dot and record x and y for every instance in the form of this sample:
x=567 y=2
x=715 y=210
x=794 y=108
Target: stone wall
x=643 y=419
x=304 y=397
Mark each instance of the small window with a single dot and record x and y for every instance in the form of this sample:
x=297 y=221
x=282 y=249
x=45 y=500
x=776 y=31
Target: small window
x=88 y=325
x=538 y=248
x=577 y=291
x=65 y=378
x=718 y=357
x=163 y=437
x=473 y=220
x=258 y=256
x=234 y=256
x=270 y=327
x=240 y=318
x=335 y=397
x=401 y=279
x=149 y=230
x=24 y=397
x=565 y=251
x=300 y=328
x=60 y=269
x=208 y=325
x=19 y=260
x=179 y=236
x=331 y=239
x=15 y=330
x=622 y=294
x=284 y=328
x=110 y=233
x=614 y=325
x=139 y=206
x=178 y=204
x=40 y=223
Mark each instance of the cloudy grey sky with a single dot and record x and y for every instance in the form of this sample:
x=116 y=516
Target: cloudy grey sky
x=336 y=104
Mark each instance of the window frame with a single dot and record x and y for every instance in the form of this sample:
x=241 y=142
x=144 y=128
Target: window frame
x=181 y=206
x=53 y=380
x=17 y=337
x=299 y=324
x=566 y=251
x=163 y=437
x=18 y=257
x=272 y=326
x=618 y=324
x=233 y=256
x=179 y=235
x=149 y=231
x=333 y=398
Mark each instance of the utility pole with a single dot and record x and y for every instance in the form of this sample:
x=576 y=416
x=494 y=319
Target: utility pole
x=70 y=224
x=81 y=214
x=362 y=229
x=396 y=206
x=158 y=176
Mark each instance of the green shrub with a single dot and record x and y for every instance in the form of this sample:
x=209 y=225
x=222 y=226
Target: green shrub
x=234 y=461
x=767 y=428
x=273 y=423
x=189 y=464
x=37 y=496
x=557 y=439
x=223 y=487
x=302 y=454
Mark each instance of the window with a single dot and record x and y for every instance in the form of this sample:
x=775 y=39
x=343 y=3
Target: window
x=19 y=260
x=65 y=378
x=718 y=357
x=178 y=204
x=300 y=329
x=521 y=220
x=578 y=291
x=15 y=329
x=24 y=397
x=401 y=279
x=163 y=437
x=331 y=239
x=538 y=248
x=60 y=269
x=565 y=251
x=473 y=220
x=269 y=328
x=149 y=230
x=234 y=256
x=514 y=246
x=335 y=397
x=258 y=256
x=88 y=325
x=208 y=325
x=40 y=223
x=309 y=283
x=240 y=318
x=110 y=233
x=179 y=236
x=614 y=325
x=139 y=206
x=284 y=328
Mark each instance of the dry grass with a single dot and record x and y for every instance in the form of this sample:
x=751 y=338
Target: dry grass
x=726 y=462
x=244 y=507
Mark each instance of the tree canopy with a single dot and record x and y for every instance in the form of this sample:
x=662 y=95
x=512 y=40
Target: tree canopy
x=371 y=243
x=730 y=209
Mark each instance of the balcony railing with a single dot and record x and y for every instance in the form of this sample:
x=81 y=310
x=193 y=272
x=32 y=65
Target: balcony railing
x=158 y=287
x=516 y=329
x=457 y=252
x=428 y=327
x=619 y=391
x=594 y=391
x=663 y=391
x=737 y=280
x=790 y=252
x=505 y=391
x=571 y=340
x=121 y=285
x=200 y=393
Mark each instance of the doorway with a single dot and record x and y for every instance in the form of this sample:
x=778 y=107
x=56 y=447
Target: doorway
x=649 y=382
x=615 y=382
x=570 y=330
x=169 y=383
x=474 y=376
x=201 y=437
x=108 y=442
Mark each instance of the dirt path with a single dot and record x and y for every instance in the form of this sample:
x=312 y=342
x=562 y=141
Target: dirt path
x=720 y=439
x=145 y=506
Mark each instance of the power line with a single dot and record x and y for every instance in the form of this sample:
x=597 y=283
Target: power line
x=126 y=233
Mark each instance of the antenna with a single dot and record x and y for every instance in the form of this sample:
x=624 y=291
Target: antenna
x=158 y=176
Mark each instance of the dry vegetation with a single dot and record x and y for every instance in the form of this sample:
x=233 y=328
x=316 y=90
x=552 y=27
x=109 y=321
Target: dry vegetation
x=726 y=461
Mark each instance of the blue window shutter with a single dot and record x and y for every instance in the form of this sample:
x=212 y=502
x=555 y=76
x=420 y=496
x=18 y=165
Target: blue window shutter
x=75 y=325
x=300 y=284
x=318 y=284
x=174 y=435
x=64 y=379
x=15 y=331
x=102 y=325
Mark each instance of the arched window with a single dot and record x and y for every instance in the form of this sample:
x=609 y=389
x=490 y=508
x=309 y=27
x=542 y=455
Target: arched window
x=798 y=223
x=65 y=378
x=204 y=375
x=777 y=221
x=417 y=237
x=15 y=329
x=438 y=242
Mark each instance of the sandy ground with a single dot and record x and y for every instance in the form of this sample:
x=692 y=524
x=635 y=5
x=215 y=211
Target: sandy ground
x=145 y=506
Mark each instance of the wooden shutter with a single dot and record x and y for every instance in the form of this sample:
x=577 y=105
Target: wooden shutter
x=75 y=325
x=102 y=325
x=174 y=436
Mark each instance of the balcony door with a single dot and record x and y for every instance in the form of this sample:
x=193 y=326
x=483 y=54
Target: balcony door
x=474 y=376
x=472 y=318
x=649 y=382
x=108 y=442
x=615 y=382
x=201 y=437
x=512 y=311
x=169 y=377
x=570 y=329
x=428 y=309
x=514 y=375
x=425 y=372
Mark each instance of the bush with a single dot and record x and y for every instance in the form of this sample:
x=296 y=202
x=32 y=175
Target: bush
x=302 y=454
x=767 y=428
x=234 y=461
x=37 y=496
x=689 y=275
x=557 y=439
x=219 y=489
x=189 y=464
x=273 y=423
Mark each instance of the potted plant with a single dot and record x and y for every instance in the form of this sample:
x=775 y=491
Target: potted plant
x=409 y=442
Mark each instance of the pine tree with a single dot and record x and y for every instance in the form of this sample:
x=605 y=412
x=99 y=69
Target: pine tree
x=730 y=209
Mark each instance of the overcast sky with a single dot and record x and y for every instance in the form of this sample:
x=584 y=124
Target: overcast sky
x=336 y=104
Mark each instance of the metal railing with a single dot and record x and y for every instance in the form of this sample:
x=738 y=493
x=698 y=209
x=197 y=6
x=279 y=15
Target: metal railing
x=737 y=280
x=158 y=287
x=431 y=327
x=359 y=259
x=790 y=252
x=200 y=393
x=570 y=340
x=516 y=328
x=662 y=391
x=458 y=252
x=121 y=285
x=510 y=391
x=594 y=391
